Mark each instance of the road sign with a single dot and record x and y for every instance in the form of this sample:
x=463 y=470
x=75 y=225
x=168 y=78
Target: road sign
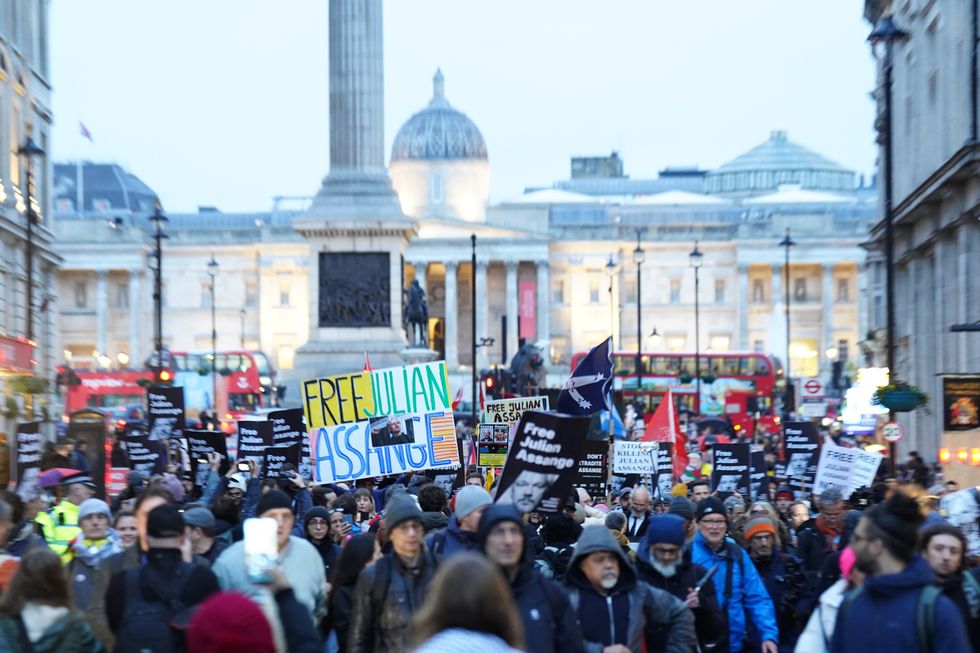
x=814 y=409
x=812 y=388
x=892 y=432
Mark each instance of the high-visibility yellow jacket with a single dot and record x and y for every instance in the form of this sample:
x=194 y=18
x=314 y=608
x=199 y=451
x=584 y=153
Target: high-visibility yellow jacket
x=60 y=526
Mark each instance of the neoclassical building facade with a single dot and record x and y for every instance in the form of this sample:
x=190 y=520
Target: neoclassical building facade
x=554 y=265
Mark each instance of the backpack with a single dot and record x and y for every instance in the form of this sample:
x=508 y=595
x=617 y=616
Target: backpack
x=925 y=614
x=147 y=626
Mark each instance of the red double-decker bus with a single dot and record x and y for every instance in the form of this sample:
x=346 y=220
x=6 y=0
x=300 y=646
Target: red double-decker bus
x=740 y=387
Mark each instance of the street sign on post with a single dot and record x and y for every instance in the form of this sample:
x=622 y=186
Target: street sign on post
x=892 y=432
x=811 y=389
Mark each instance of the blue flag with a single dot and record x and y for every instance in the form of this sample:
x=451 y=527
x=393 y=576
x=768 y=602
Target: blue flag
x=587 y=389
x=618 y=428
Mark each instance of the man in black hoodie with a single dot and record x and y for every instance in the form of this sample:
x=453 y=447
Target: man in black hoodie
x=549 y=622
x=614 y=609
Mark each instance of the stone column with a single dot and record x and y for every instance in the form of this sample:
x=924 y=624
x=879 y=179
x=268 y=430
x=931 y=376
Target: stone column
x=544 y=303
x=777 y=284
x=101 y=308
x=135 y=360
x=482 y=353
x=513 y=320
x=827 y=298
x=742 y=303
x=452 y=317
x=965 y=282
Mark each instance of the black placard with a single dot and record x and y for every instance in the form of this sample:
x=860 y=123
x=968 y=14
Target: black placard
x=165 y=413
x=144 y=454
x=801 y=444
x=730 y=471
x=543 y=461
x=592 y=468
x=27 y=454
x=199 y=445
x=760 y=479
x=254 y=437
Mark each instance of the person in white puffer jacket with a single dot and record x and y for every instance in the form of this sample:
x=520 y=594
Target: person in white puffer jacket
x=820 y=628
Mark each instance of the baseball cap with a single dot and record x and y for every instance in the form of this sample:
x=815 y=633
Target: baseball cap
x=164 y=521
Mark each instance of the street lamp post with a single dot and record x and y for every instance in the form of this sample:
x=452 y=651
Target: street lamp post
x=29 y=150
x=638 y=258
x=213 y=272
x=886 y=33
x=241 y=314
x=697 y=260
x=473 y=328
x=159 y=221
x=786 y=243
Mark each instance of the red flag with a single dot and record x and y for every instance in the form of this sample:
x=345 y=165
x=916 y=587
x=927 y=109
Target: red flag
x=458 y=398
x=367 y=363
x=664 y=426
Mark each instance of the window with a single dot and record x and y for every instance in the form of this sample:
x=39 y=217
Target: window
x=758 y=291
x=629 y=289
x=206 y=294
x=283 y=294
x=676 y=343
x=81 y=294
x=842 y=350
x=122 y=296
x=438 y=191
x=675 y=291
x=843 y=291
x=720 y=344
x=594 y=290
x=558 y=292
x=758 y=346
x=799 y=290
x=251 y=295
x=719 y=291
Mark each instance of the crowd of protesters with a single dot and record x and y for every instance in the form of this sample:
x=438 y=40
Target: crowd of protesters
x=397 y=564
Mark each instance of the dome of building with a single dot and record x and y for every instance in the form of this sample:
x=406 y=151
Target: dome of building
x=438 y=132
x=439 y=166
x=777 y=162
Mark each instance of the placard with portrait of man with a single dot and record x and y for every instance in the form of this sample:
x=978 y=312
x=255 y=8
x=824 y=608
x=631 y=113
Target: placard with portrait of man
x=390 y=429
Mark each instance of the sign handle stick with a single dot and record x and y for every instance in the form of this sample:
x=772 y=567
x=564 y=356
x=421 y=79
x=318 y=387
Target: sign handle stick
x=609 y=459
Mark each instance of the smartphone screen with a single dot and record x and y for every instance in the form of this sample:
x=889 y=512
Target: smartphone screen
x=261 y=548
x=243 y=467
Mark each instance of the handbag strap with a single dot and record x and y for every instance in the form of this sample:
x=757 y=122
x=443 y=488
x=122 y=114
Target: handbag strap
x=25 y=642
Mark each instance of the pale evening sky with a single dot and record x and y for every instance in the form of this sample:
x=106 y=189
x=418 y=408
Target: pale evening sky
x=224 y=102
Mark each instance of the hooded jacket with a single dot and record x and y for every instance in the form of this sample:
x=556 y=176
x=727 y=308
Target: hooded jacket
x=748 y=595
x=707 y=616
x=549 y=621
x=452 y=539
x=632 y=606
x=890 y=603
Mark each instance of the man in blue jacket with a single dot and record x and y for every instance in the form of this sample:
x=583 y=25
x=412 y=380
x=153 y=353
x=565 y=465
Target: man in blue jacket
x=738 y=587
x=898 y=608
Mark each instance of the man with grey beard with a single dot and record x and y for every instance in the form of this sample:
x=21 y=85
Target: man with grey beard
x=663 y=562
x=616 y=612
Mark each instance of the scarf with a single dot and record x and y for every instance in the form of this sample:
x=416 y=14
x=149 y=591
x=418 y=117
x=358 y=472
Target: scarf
x=833 y=536
x=94 y=552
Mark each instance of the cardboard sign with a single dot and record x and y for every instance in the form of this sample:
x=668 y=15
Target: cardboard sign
x=118 y=479
x=27 y=454
x=664 y=480
x=730 y=470
x=591 y=472
x=288 y=429
x=165 y=413
x=635 y=457
x=254 y=437
x=509 y=411
x=199 y=445
x=844 y=469
x=759 y=481
x=802 y=448
x=274 y=458
x=962 y=509
x=543 y=461
x=146 y=455
x=386 y=421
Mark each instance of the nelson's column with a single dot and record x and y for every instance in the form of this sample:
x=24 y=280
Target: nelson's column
x=355 y=226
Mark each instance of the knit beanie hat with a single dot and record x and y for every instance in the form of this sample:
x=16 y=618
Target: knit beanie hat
x=785 y=491
x=469 y=498
x=135 y=478
x=710 y=506
x=91 y=507
x=664 y=529
x=313 y=513
x=271 y=500
x=495 y=514
x=402 y=508
x=681 y=507
x=228 y=622
x=758 y=526
x=560 y=528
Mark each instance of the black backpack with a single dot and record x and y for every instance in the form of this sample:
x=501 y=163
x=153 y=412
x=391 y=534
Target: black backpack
x=148 y=625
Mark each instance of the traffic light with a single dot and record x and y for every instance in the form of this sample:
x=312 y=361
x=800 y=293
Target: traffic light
x=162 y=376
x=491 y=386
